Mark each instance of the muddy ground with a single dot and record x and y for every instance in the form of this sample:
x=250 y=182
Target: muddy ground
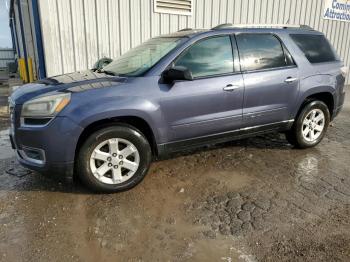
x=252 y=200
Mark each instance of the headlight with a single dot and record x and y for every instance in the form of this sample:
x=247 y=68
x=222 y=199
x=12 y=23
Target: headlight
x=344 y=71
x=47 y=106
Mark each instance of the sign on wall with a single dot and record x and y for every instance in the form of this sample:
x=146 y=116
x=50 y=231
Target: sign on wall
x=337 y=10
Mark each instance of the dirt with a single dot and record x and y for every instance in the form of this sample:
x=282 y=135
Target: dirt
x=252 y=200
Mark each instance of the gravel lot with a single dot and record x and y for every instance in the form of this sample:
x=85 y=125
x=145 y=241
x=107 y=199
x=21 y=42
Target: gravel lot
x=251 y=200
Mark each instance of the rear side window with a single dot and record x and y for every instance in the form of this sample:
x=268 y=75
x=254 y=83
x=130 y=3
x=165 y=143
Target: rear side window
x=212 y=56
x=260 y=51
x=315 y=47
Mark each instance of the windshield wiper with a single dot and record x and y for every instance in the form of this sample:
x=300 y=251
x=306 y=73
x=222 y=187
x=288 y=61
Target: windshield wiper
x=107 y=72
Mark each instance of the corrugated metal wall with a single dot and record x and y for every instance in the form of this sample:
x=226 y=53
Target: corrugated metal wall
x=29 y=41
x=29 y=32
x=76 y=33
x=18 y=30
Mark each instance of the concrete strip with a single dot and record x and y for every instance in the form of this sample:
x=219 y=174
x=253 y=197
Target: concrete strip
x=6 y=150
x=4 y=91
x=4 y=111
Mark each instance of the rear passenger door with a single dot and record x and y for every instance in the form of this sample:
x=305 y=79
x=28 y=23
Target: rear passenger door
x=270 y=78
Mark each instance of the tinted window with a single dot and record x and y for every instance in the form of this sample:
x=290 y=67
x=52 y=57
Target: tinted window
x=212 y=56
x=260 y=51
x=315 y=47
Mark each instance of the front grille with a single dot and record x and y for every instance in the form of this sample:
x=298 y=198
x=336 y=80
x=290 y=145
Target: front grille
x=31 y=121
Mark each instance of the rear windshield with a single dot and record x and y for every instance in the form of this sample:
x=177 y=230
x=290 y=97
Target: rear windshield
x=316 y=48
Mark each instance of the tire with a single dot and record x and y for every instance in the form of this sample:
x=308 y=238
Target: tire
x=304 y=123
x=104 y=167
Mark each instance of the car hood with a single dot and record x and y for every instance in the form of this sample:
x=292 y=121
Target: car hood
x=73 y=82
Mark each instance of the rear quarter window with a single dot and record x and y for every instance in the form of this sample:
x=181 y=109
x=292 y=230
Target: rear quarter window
x=316 y=48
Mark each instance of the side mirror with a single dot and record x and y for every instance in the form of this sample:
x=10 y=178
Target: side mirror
x=101 y=63
x=177 y=73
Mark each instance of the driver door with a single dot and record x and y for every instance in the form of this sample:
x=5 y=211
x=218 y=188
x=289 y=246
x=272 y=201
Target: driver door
x=211 y=103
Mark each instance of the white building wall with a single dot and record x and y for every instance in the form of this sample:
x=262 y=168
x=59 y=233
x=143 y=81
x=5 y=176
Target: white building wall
x=76 y=33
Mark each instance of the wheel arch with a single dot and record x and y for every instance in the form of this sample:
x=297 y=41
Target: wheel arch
x=326 y=96
x=131 y=121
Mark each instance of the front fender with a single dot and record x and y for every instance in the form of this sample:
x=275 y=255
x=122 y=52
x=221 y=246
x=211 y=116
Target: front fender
x=85 y=112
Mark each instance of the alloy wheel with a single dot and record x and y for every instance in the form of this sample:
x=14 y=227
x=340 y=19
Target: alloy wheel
x=313 y=125
x=114 y=161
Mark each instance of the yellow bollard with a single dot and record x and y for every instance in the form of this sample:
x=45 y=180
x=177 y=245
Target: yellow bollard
x=22 y=69
x=30 y=69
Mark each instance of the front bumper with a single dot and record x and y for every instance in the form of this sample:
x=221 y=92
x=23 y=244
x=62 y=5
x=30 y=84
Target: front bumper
x=337 y=110
x=56 y=142
x=60 y=171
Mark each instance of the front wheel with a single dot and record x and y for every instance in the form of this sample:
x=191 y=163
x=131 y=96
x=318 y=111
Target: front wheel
x=114 y=159
x=310 y=126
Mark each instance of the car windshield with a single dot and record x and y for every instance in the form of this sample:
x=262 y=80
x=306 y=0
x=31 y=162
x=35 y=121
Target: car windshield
x=141 y=58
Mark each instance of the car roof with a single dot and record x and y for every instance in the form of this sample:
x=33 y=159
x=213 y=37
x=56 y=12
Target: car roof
x=228 y=28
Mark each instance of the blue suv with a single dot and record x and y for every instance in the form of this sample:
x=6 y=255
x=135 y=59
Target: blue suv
x=175 y=92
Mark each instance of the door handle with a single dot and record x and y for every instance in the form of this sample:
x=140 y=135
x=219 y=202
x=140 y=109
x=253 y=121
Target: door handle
x=230 y=87
x=290 y=79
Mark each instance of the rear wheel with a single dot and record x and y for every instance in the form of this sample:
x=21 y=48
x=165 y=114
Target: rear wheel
x=310 y=126
x=114 y=159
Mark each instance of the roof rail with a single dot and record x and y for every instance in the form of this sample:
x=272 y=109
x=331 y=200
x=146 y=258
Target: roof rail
x=284 y=26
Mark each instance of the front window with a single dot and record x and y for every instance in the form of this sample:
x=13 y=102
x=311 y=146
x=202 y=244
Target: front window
x=208 y=57
x=141 y=58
